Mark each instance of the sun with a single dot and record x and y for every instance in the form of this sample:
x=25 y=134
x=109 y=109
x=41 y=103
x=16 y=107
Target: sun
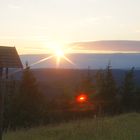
x=59 y=53
x=55 y=48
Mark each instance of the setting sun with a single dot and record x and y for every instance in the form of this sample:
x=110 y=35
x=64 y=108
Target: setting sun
x=59 y=53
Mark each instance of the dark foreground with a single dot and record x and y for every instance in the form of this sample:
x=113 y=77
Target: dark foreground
x=123 y=127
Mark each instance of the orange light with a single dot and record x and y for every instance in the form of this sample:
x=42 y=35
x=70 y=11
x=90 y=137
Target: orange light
x=82 y=98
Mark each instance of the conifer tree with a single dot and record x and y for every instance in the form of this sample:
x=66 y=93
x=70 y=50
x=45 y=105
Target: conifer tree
x=110 y=84
x=106 y=90
x=99 y=91
x=129 y=90
x=29 y=101
x=129 y=85
x=110 y=89
x=87 y=83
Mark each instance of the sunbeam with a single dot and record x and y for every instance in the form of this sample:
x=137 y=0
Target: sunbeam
x=68 y=60
x=58 y=61
x=59 y=51
x=42 y=60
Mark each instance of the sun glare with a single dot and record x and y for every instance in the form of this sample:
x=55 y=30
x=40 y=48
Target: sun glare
x=59 y=53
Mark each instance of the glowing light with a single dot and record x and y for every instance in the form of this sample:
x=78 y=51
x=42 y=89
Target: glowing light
x=82 y=98
x=59 y=53
x=42 y=60
x=68 y=60
x=58 y=50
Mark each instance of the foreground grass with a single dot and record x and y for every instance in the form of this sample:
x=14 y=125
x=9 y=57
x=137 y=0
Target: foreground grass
x=123 y=127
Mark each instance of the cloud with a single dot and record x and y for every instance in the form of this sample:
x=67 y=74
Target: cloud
x=108 y=46
x=13 y=6
x=93 y=20
x=24 y=37
x=137 y=31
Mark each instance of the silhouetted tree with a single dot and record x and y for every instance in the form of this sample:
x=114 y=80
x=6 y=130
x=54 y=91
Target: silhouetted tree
x=11 y=91
x=87 y=85
x=111 y=88
x=129 y=90
x=99 y=98
x=29 y=101
x=106 y=90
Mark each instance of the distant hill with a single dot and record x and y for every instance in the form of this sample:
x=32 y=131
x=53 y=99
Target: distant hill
x=82 y=61
x=53 y=81
x=94 y=60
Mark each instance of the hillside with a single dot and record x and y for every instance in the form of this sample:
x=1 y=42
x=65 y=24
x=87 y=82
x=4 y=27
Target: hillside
x=53 y=81
x=124 y=127
x=82 y=61
x=96 y=54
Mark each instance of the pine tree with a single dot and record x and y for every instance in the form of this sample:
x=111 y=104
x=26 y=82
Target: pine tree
x=99 y=91
x=86 y=85
x=110 y=84
x=129 y=85
x=29 y=101
x=110 y=89
x=129 y=90
x=106 y=90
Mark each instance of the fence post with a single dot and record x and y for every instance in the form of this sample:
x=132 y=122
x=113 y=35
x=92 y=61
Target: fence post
x=2 y=92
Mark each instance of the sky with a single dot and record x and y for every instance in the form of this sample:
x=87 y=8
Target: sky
x=31 y=25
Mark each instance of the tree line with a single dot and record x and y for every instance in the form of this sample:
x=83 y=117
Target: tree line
x=27 y=106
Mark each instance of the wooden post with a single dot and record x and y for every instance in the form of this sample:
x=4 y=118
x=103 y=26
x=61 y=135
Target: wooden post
x=6 y=73
x=1 y=102
x=1 y=72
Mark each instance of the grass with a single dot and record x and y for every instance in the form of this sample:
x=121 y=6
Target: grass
x=123 y=127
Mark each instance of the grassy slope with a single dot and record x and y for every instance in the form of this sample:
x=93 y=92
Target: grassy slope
x=124 y=127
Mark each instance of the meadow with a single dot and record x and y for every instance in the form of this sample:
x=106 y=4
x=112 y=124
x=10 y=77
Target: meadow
x=122 y=127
